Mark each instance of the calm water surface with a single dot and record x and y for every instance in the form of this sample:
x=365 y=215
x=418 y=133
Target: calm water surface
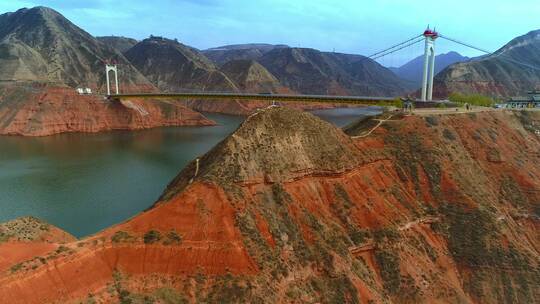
x=85 y=182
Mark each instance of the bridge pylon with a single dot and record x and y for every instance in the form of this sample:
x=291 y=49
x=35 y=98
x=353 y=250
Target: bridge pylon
x=429 y=64
x=114 y=68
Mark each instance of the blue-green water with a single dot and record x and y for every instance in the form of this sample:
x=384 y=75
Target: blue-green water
x=83 y=183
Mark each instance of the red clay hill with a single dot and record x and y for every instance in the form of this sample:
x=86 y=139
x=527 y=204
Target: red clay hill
x=290 y=209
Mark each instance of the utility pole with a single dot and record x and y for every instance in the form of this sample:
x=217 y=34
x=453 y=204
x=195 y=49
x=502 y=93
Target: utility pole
x=429 y=64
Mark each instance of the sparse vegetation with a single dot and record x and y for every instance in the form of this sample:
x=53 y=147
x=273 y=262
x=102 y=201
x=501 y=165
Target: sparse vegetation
x=473 y=99
x=16 y=267
x=152 y=237
x=121 y=237
x=388 y=264
x=172 y=238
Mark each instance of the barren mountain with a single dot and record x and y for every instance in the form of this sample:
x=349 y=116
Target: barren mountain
x=172 y=66
x=121 y=44
x=224 y=54
x=413 y=70
x=310 y=71
x=289 y=209
x=39 y=44
x=250 y=76
x=512 y=70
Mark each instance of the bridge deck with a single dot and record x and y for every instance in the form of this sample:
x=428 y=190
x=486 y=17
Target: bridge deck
x=367 y=100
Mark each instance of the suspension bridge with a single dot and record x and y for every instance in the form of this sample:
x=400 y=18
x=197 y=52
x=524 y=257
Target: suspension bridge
x=429 y=38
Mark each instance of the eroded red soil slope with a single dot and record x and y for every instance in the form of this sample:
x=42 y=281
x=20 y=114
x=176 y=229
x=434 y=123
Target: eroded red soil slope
x=437 y=209
x=40 y=110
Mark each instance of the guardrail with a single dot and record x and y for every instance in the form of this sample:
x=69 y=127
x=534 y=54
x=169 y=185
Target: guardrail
x=368 y=100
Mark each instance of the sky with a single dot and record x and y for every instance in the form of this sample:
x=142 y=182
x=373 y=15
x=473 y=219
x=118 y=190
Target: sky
x=348 y=26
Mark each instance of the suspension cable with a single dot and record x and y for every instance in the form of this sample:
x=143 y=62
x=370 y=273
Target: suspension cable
x=394 y=46
x=466 y=44
x=500 y=55
x=395 y=50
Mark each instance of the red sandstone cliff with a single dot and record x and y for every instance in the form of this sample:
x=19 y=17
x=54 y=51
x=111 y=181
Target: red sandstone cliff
x=431 y=209
x=40 y=110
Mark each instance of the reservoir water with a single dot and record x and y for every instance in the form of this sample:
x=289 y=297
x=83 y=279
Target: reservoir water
x=83 y=183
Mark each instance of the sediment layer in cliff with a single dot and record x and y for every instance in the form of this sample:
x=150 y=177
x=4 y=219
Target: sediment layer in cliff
x=440 y=208
x=35 y=109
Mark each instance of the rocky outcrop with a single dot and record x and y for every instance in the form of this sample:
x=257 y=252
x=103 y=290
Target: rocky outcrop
x=291 y=209
x=39 y=44
x=513 y=70
x=174 y=67
x=40 y=110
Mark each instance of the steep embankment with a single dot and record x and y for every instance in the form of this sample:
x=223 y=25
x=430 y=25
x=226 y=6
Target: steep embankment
x=41 y=110
x=290 y=209
x=513 y=70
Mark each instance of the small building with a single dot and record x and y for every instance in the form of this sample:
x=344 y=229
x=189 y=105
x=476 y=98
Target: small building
x=532 y=100
x=84 y=91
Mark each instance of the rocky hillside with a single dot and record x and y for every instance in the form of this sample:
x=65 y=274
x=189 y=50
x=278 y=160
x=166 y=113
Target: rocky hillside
x=289 y=209
x=39 y=44
x=224 y=54
x=511 y=71
x=250 y=76
x=121 y=44
x=413 y=70
x=309 y=71
x=172 y=66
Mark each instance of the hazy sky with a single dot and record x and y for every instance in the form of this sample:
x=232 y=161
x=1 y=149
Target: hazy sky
x=351 y=26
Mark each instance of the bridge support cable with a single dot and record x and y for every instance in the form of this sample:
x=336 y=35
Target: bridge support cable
x=388 y=52
x=501 y=56
x=394 y=47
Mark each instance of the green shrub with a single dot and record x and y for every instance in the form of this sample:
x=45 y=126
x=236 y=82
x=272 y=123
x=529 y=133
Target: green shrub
x=473 y=99
x=16 y=267
x=121 y=236
x=388 y=263
x=152 y=236
x=172 y=238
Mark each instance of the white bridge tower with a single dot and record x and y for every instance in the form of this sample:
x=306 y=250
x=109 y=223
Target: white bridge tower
x=114 y=68
x=429 y=65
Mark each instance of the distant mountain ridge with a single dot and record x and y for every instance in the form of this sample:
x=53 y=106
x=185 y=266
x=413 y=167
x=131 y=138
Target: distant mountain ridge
x=172 y=66
x=223 y=54
x=512 y=70
x=310 y=71
x=413 y=70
